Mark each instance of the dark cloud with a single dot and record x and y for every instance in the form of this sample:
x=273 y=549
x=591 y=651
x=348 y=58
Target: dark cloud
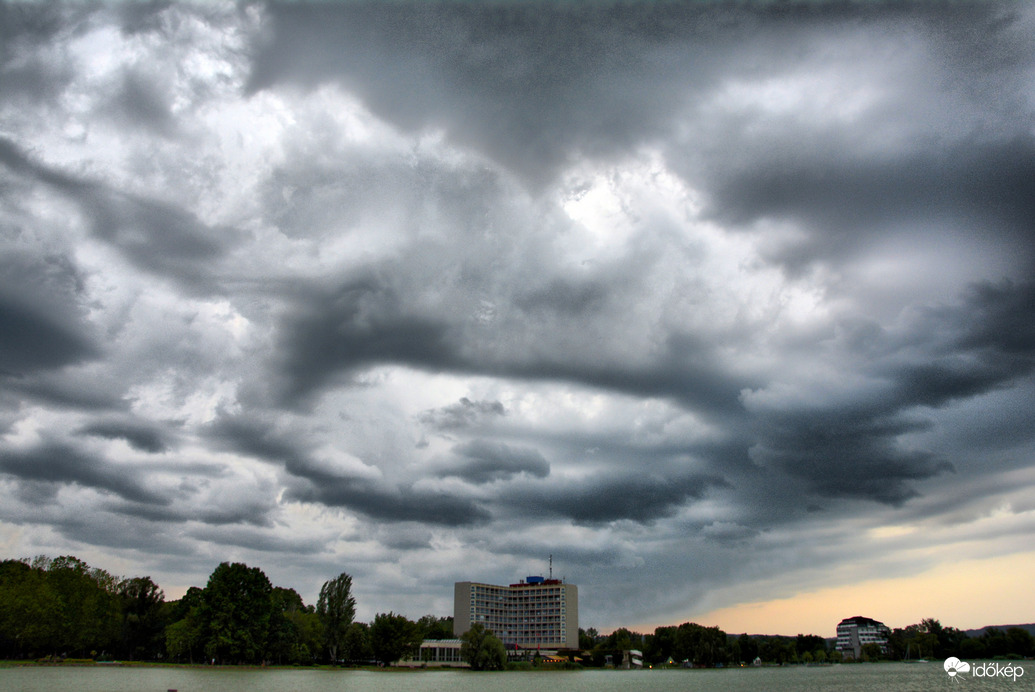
x=529 y=84
x=256 y=437
x=368 y=322
x=140 y=102
x=400 y=504
x=258 y=540
x=463 y=414
x=321 y=483
x=230 y=511
x=362 y=323
x=986 y=187
x=485 y=461
x=24 y=73
x=41 y=317
x=63 y=465
x=846 y=453
x=565 y=297
x=142 y=437
x=155 y=235
x=610 y=497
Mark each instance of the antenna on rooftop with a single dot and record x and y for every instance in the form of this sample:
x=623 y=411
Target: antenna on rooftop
x=551 y=565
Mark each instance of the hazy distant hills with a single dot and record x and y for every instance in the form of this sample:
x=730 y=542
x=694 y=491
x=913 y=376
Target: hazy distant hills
x=1002 y=628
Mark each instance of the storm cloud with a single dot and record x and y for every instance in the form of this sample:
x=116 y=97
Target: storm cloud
x=433 y=291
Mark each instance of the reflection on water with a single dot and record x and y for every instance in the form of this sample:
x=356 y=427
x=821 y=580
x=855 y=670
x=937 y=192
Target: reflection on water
x=889 y=677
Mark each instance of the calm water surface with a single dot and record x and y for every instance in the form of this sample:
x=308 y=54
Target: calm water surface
x=890 y=677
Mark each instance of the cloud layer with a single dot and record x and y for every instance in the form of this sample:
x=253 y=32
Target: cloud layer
x=431 y=292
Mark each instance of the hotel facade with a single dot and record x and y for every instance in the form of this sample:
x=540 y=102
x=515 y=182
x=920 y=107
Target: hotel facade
x=855 y=633
x=535 y=613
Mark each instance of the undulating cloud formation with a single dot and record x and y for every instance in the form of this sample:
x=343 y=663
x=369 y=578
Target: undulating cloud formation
x=714 y=303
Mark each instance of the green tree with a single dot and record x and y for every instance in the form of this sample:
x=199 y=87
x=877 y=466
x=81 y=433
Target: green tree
x=435 y=627
x=702 y=646
x=30 y=617
x=284 y=634
x=238 y=607
x=748 y=648
x=588 y=638
x=392 y=637
x=185 y=636
x=659 y=646
x=481 y=649
x=809 y=643
x=142 y=626
x=357 y=643
x=1020 y=642
x=872 y=652
x=336 y=608
x=622 y=640
x=89 y=621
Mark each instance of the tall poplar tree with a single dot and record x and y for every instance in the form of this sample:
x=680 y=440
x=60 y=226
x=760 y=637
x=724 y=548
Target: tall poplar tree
x=336 y=608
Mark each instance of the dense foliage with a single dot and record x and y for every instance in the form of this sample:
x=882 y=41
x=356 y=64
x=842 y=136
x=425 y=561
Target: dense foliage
x=393 y=637
x=482 y=650
x=63 y=608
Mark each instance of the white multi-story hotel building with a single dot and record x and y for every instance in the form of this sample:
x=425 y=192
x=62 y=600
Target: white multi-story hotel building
x=854 y=633
x=535 y=613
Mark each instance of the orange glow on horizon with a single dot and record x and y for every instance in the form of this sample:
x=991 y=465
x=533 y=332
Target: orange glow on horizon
x=967 y=594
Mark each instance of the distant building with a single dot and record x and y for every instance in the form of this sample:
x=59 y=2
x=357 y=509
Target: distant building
x=535 y=613
x=854 y=633
x=436 y=653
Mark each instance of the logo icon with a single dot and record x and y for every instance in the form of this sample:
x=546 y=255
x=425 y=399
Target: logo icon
x=953 y=666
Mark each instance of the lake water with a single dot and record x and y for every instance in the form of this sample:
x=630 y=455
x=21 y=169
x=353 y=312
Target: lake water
x=886 y=677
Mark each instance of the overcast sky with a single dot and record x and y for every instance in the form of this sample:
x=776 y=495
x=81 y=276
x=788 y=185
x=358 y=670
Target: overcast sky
x=728 y=308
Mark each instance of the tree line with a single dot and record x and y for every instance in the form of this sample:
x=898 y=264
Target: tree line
x=64 y=608
x=691 y=644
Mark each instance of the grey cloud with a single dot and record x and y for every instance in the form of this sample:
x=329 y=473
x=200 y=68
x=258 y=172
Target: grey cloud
x=361 y=323
x=238 y=510
x=463 y=414
x=988 y=186
x=318 y=484
x=25 y=74
x=613 y=497
x=729 y=532
x=982 y=343
x=392 y=504
x=370 y=321
x=41 y=319
x=155 y=235
x=139 y=436
x=485 y=461
x=537 y=85
x=140 y=102
x=123 y=533
x=850 y=448
x=565 y=297
x=494 y=79
x=60 y=464
x=847 y=454
x=1000 y=317
x=404 y=536
x=256 y=437
x=256 y=539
